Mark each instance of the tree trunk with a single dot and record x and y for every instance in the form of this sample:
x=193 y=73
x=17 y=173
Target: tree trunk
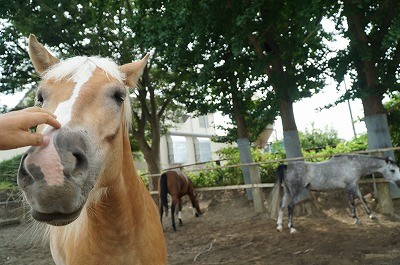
x=290 y=134
x=149 y=115
x=374 y=111
x=154 y=168
x=242 y=142
x=291 y=140
x=377 y=125
x=152 y=155
x=251 y=174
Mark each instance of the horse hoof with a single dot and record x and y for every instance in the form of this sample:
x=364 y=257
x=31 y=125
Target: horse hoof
x=197 y=214
x=357 y=222
x=293 y=230
x=279 y=228
x=373 y=217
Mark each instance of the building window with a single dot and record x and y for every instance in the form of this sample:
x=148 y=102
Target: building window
x=177 y=149
x=202 y=147
x=203 y=121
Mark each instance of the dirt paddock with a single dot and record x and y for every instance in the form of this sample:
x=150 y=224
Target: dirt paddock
x=229 y=232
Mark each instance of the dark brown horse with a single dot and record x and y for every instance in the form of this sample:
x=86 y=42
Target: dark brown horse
x=177 y=184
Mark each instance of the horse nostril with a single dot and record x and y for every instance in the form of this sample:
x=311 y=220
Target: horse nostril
x=24 y=178
x=81 y=161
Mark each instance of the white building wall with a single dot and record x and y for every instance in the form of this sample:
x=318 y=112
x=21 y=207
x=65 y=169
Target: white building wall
x=190 y=129
x=8 y=154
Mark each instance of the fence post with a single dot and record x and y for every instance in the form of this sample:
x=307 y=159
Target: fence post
x=385 y=201
x=255 y=178
x=384 y=198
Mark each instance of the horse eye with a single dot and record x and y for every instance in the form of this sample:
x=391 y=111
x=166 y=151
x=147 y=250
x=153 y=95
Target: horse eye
x=119 y=97
x=392 y=170
x=39 y=99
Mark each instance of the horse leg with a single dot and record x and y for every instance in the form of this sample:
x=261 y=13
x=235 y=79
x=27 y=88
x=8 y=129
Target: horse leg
x=195 y=202
x=284 y=204
x=291 y=207
x=173 y=204
x=369 y=212
x=180 y=212
x=352 y=206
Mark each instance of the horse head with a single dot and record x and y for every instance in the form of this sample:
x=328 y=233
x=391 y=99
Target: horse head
x=90 y=97
x=391 y=172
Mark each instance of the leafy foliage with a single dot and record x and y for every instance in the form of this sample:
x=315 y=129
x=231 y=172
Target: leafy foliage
x=9 y=169
x=372 y=58
x=316 y=138
x=392 y=107
x=233 y=175
x=109 y=28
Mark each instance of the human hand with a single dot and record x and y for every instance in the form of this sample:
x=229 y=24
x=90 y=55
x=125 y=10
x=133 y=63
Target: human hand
x=14 y=128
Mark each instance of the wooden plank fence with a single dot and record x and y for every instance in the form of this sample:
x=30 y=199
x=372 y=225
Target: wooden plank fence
x=382 y=187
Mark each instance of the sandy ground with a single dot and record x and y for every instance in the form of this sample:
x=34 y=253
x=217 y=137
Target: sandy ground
x=229 y=232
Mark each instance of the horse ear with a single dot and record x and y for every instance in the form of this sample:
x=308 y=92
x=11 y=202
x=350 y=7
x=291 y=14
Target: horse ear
x=39 y=55
x=133 y=71
x=387 y=160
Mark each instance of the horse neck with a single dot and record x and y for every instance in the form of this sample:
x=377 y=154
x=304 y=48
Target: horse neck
x=370 y=165
x=124 y=189
x=116 y=220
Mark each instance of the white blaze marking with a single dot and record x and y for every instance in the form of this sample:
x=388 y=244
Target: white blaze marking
x=64 y=109
x=52 y=169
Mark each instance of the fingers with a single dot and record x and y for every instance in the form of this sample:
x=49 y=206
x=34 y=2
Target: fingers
x=38 y=110
x=36 y=118
x=25 y=139
x=36 y=139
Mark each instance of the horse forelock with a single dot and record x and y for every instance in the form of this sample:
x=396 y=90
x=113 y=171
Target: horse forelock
x=76 y=67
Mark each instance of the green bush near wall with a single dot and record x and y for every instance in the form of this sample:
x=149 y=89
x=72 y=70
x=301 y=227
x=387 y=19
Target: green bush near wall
x=9 y=169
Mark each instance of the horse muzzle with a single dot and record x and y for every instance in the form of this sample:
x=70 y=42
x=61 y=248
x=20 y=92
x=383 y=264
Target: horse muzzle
x=55 y=178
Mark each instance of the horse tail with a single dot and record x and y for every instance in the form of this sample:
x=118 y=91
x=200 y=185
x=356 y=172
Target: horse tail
x=164 y=192
x=275 y=193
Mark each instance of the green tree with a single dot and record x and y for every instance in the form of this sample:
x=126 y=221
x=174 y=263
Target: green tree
x=207 y=52
x=107 y=28
x=393 y=111
x=317 y=139
x=231 y=49
x=372 y=59
x=288 y=39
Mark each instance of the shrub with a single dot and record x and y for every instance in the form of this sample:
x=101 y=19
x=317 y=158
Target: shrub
x=9 y=169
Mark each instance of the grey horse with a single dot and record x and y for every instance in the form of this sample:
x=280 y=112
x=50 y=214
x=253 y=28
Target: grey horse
x=339 y=172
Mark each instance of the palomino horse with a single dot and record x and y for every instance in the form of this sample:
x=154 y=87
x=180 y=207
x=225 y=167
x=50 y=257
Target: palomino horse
x=84 y=184
x=339 y=172
x=177 y=184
